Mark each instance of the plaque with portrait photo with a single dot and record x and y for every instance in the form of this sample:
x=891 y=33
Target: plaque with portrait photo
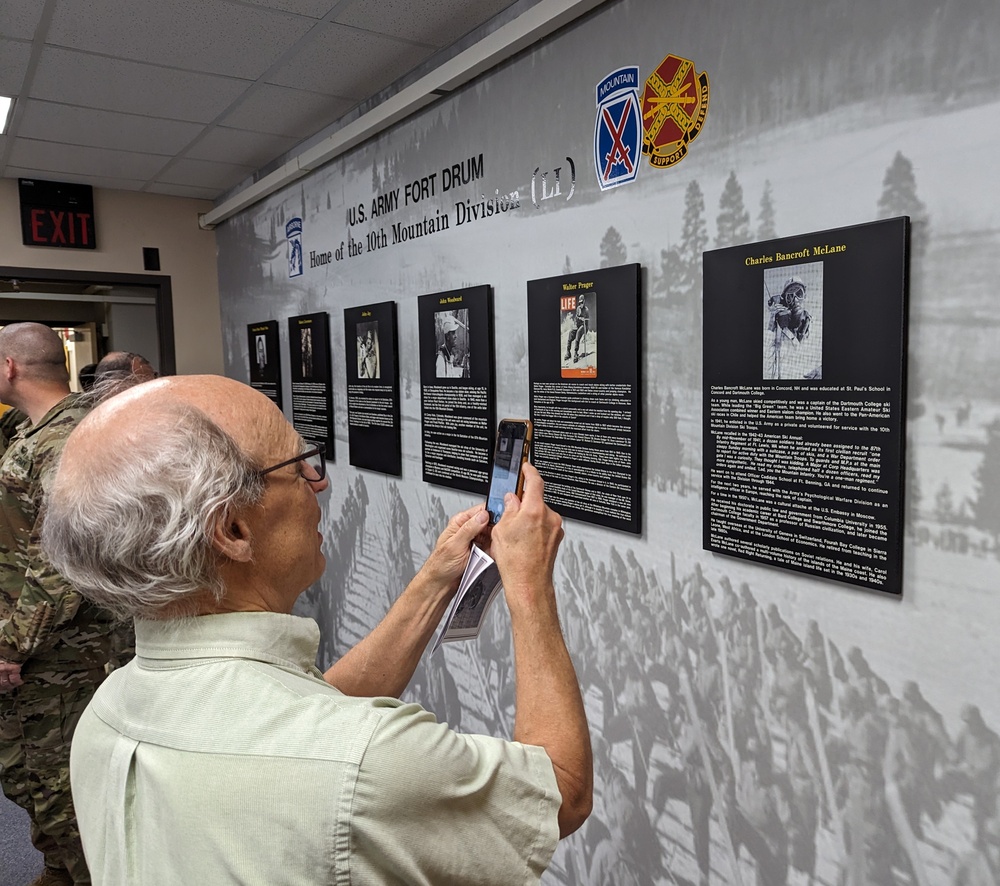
x=373 y=395
x=457 y=387
x=804 y=402
x=265 y=363
x=312 y=387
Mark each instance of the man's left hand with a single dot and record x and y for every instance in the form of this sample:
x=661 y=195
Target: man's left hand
x=447 y=561
x=10 y=676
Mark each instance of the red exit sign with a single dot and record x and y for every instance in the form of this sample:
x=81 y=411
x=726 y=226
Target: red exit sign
x=57 y=214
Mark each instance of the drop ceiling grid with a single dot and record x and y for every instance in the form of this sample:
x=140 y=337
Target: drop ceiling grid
x=190 y=97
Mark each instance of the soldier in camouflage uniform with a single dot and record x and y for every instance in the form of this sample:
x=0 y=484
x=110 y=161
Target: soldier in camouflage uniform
x=53 y=645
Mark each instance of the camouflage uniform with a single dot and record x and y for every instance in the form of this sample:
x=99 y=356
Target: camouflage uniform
x=9 y=422
x=61 y=641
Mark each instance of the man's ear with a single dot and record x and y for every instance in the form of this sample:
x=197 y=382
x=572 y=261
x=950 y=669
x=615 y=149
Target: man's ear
x=231 y=537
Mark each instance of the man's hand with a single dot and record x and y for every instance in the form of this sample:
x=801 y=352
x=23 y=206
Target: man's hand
x=549 y=709
x=445 y=565
x=526 y=540
x=10 y=676
x=384 y=661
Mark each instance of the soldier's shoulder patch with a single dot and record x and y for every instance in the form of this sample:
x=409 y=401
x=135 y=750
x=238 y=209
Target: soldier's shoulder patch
x=618 y=131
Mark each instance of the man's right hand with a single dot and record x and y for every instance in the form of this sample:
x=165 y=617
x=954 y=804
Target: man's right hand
x=549 y=710
x=526 y=540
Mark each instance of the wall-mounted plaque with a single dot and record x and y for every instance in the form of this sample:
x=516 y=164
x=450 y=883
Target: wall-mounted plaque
x=457 y=392
x=373 y=413
x=804 y=398
x=583 y=367
x=312 y=388
x=265 y=365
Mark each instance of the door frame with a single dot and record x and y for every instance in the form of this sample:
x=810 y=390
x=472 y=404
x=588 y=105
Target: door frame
x=159 y=282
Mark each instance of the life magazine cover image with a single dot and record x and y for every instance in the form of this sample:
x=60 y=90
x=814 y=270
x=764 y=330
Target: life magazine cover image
x=578 y=335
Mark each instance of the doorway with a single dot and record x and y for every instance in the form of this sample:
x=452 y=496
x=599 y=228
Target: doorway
x=95 y=312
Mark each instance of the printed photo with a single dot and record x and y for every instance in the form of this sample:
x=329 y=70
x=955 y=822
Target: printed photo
x=368 y=349
x=793 y=322
x=451 y=337
x=306 y=334
x=578 y=335
x=261 y=344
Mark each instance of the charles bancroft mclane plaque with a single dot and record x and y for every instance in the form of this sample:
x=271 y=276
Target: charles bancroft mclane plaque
x=804 y=397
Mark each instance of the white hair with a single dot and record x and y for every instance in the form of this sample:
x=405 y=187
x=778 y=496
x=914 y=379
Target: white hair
x=132 y=528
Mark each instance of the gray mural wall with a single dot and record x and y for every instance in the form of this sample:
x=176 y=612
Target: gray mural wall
x=750 y=724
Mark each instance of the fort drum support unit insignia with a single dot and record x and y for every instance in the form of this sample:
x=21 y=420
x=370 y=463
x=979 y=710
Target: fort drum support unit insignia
x=674 y=105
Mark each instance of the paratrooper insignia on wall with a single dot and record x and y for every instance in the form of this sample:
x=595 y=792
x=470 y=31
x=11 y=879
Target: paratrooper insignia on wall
x=674 y=105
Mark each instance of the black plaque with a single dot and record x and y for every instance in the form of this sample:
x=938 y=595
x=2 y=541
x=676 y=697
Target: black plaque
x=804 y=401
x=265 y=365
x=373 y=414
x=457 y=387
x=583 y=366
x=312 y=388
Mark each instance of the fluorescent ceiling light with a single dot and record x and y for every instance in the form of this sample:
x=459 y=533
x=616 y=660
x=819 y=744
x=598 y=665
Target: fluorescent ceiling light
x=5 y=106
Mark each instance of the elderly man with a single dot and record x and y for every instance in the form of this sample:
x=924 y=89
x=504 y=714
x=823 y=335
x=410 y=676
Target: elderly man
x=53 y=645
x=118 y=370
x=220 y=754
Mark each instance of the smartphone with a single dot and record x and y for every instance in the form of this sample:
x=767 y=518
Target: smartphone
x=512 y=450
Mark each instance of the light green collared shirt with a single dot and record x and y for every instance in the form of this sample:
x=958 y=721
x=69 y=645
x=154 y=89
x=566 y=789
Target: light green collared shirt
x=221 y=756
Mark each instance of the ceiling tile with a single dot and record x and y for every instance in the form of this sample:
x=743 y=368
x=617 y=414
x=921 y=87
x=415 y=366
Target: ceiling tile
x=438 y=22
x=289 y=112
x=19 y=18
x=350 y=63
x=14 y=58
x=183 y=191
x=204 y=174
x=132 y=88
x=123 y=88
x=49 y=121
x=211 y=36
x=310 y=8
x=254 y=149
x=113 y=182
x=74 y=159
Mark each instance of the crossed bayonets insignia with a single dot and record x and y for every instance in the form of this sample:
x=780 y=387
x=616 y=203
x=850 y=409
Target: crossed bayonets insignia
x=668 y=101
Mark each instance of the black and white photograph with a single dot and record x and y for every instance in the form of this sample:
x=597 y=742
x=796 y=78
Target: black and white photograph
x=452 y=336
x=368 y=349
x=306 y=351
x=261 y=346
x=793 y=322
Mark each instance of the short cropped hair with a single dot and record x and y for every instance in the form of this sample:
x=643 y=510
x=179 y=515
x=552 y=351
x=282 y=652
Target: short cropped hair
x=37 y=349
x=133 y=530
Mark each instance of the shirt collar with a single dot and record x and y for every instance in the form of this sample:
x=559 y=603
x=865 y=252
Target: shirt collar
x=285 y=640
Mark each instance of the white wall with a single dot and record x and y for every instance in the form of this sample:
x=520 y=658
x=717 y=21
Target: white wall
x=816 y=100
x=126 y=222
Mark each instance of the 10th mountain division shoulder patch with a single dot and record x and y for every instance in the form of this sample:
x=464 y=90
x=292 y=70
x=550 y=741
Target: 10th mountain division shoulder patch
x=618 y=131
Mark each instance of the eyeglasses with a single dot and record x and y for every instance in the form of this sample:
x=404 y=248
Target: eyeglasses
x=313 y=464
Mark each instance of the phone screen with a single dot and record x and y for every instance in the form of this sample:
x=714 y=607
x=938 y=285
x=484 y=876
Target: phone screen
x=512 y=440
